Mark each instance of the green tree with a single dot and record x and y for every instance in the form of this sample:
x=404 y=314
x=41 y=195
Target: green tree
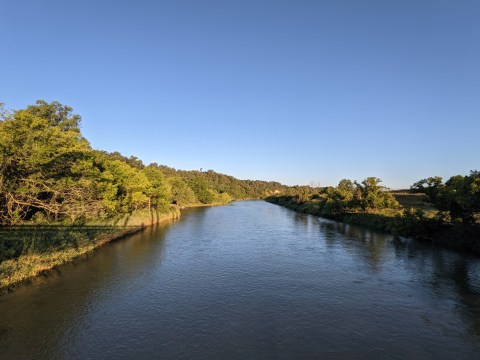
x=340 y=199
x=461 y=197
x=159 y=191
x=374 y=196
x=431 y=187
x=132 y=185
x=42 y=154
x=181 y=194
x=200 y=188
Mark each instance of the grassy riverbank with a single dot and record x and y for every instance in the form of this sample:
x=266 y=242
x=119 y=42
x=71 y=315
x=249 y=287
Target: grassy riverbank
x=27 y=251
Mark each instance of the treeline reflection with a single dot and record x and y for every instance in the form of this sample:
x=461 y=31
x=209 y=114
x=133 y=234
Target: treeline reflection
x=439 y=270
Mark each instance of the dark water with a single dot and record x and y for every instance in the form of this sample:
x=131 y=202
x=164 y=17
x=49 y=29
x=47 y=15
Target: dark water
x=250 y=281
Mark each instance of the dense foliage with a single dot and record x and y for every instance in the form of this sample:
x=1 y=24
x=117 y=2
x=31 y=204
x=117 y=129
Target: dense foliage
x=50 y=174
x=459 y=196
x=349 y=196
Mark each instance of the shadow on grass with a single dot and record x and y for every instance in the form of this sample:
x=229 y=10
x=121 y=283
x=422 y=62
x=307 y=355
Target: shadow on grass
x=28 y=239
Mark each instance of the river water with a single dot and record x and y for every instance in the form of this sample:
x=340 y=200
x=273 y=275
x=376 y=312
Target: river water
x=250 y=280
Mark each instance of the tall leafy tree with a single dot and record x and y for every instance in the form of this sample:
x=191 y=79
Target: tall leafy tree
x=374 y=196
x=200 y=188
x=131 y=185
x=159 y=190
x=181 y=193
x=431 y=187
x=42 y=154
x=459 y=196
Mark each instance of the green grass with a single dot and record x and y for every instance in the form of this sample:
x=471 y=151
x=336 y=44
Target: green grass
x=29 y=250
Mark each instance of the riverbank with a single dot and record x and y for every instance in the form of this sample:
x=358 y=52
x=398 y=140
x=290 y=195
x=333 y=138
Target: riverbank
x=30 y=251
x=250 y=275
x=205 y=205
x=412 y=224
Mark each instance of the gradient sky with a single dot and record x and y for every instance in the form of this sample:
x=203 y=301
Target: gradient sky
x=294 y=91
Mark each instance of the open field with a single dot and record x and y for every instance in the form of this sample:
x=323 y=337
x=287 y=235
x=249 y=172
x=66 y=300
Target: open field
x=416 y=201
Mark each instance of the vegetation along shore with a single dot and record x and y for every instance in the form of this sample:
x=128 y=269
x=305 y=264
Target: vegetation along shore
x=431 y=210
x=60 y=198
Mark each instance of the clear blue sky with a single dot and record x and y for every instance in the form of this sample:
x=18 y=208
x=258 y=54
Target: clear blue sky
x=294 y=91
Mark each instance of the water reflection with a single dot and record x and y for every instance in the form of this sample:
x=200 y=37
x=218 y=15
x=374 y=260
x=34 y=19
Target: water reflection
x=442 y=271
x=250 y=280
x=375 y=245
x=445 y=272
x=54 y=306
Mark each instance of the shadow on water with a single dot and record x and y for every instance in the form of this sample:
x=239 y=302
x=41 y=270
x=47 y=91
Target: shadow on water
x=374 y=245
x=445 y=272
x=436 y=268
x=77 y=286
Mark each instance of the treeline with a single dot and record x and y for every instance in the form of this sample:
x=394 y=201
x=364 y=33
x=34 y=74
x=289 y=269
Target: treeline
x=349 y=197
x=454 y=223
x=458 y=198
x=50 y=174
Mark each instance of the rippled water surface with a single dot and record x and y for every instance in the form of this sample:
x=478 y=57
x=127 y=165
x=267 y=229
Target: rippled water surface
x=250 y=280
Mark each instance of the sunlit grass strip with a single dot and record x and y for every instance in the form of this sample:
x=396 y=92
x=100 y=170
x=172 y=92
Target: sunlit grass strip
x=26 y=266
x=39 y=249
x=27 y=239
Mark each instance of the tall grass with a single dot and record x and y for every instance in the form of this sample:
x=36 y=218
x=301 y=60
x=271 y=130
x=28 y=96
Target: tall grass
x=26 y=239
x=26 y=251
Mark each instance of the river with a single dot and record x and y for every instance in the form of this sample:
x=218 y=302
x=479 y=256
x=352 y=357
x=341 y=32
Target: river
x=250 y=280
